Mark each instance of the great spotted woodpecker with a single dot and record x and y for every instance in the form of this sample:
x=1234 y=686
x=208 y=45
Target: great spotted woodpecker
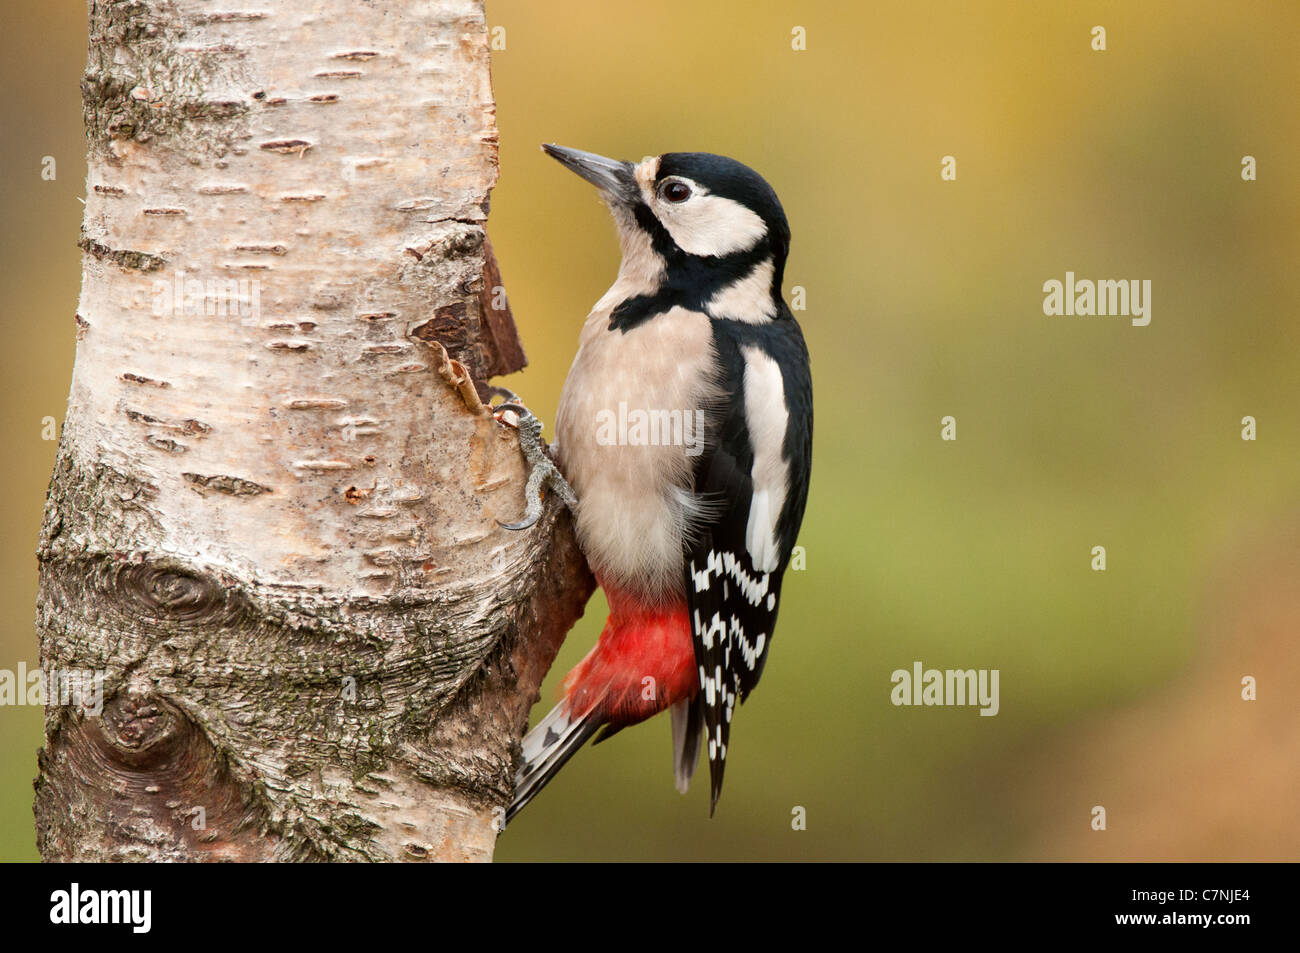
x=685 y=431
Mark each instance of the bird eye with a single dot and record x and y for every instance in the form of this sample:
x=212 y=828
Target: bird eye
x=675 y=191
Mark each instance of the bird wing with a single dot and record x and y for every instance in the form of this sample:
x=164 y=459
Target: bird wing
x=752 y=481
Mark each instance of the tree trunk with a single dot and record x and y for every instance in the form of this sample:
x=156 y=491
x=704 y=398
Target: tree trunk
x=271 y=534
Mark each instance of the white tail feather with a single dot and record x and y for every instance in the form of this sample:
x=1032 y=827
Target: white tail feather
x=688 y=729
x=545 y=750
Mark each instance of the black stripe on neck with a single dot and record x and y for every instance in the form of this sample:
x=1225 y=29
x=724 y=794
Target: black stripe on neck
x=689 y=280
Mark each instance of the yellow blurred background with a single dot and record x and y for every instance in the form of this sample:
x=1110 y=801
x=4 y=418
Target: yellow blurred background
x=924 y=299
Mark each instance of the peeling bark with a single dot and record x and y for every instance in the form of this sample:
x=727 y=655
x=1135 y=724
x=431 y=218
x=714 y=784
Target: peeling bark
x=272 y=525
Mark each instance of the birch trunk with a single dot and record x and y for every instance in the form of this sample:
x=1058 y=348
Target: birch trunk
x=271 y=530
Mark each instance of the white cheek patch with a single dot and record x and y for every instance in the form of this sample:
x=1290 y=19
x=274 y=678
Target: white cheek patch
x=767 y=418
x=708 y=224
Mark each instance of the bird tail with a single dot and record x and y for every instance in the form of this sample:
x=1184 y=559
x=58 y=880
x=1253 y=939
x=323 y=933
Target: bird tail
x=546 y=748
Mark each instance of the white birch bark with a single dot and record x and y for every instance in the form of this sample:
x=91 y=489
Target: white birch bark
x=272 y=522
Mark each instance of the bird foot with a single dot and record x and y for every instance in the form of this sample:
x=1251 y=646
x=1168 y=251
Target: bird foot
x=542 y=472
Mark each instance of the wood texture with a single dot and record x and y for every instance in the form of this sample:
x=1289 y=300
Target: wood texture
x=271 y=528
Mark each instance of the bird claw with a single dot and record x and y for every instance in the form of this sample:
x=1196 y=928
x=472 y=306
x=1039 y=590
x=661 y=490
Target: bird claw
x=542 y=473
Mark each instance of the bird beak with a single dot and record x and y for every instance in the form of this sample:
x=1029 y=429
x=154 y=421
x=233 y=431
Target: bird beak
x=611 y=176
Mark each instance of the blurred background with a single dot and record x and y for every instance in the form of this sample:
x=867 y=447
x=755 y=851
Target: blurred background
x=924 y=299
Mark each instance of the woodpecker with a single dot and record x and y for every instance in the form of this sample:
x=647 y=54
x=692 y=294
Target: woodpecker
x=687 y=513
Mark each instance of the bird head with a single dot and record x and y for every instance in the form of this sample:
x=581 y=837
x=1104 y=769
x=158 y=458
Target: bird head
x=705 y=217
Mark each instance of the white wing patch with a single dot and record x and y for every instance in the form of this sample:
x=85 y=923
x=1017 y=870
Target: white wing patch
x=767 y=418
x=760 y=537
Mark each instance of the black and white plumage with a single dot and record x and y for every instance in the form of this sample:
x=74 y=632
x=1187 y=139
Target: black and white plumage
x=695 y=321
x=759 y=471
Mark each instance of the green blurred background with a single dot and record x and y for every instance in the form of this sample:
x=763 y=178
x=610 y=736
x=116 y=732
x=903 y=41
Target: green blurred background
x=924 y=299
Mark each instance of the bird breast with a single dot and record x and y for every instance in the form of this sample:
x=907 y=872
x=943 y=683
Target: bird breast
x=631 y=423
